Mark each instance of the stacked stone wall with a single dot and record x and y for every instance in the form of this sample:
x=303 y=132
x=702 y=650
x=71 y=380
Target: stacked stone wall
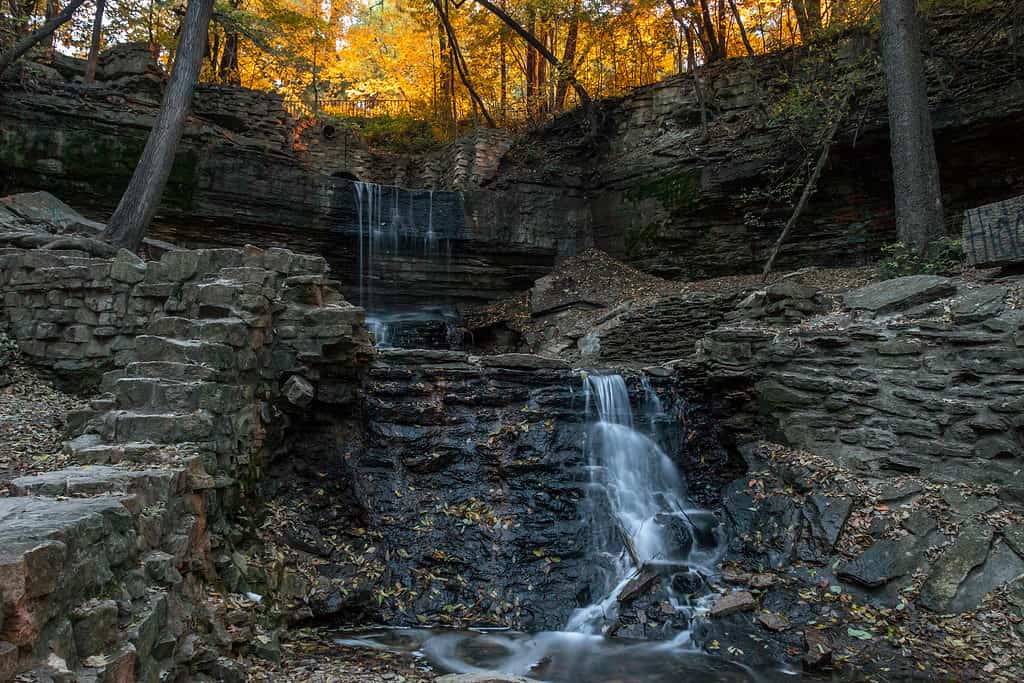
x=201 y=358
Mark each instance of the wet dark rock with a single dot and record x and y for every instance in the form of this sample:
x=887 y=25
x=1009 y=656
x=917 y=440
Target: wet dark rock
x=645 y=581
x=969 y=550
x=884 y=561
x=824 y=518
x=773 y=622
x=899 y=294
x=818 y=649
x=678 y=534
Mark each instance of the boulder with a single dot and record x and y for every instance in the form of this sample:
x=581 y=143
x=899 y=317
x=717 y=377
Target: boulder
x=733 y=603
x=44 y=208
x=128 y=59
x=899 y=294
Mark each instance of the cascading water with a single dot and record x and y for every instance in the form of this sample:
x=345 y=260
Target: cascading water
x=641 y=521
x=639 y=515
x=394 y=226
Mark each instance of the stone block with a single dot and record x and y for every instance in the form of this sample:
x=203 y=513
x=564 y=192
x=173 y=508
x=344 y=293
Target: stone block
x=127 y=267
x=9 y=660
x=993 y=234
x=298 y=391
x=95 y=624
x=899 y=294
x=181 y=265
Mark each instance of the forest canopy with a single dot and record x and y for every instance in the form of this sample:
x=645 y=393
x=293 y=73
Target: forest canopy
x=448 y=61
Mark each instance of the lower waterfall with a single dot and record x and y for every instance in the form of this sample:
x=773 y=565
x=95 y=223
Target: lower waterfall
x=640 y=518
x=642 y=526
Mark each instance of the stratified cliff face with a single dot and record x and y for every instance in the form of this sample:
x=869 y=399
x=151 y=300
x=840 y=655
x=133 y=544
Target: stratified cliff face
x=675 y=201
x=653 y=187
x=245 y=173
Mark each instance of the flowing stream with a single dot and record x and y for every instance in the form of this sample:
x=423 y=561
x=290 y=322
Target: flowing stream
x=641 y=521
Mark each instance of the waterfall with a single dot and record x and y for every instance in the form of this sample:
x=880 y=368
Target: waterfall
x=639 y=512
x=393 y=226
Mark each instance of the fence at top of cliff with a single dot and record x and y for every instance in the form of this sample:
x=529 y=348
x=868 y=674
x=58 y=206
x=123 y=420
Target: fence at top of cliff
x=366 y=107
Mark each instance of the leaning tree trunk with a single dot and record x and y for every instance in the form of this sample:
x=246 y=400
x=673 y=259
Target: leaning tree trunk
x=460 y=62
x=743 y=29
x=94 y=45
x=915 y=169
x=567 y=74
x=39 y=35
x=135 y=211
x=568 y=55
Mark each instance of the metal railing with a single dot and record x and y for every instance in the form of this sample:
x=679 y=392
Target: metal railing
x=368 y=107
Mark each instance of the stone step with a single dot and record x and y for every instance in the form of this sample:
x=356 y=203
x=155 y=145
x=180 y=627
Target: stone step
x=92 y=449
x=150 y=394
x=124 y=426
x=226 y=330
x=170 y=370
x=151 y=485
x=217 y=356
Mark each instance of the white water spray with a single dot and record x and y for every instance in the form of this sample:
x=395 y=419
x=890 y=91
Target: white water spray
x=640 y=516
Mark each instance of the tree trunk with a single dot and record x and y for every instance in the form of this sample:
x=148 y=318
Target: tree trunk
x=504 y=80
x=94 y=46
x=585 y=102
x=139 y=203
x=51 y=12
x=228 y=68
x=743 y=30
x=715 y=44
x=915 y=169
x=808 y=17
x=568 y=56
x=446 y=81
x=531 y=75
x=460 y=63
x=40 y=34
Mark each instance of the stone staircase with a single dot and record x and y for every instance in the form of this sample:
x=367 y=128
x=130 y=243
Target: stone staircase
x=201 y=355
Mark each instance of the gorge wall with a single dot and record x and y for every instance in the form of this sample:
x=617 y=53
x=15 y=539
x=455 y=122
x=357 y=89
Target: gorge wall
x=652 y=187
x=679 y=202
x=245 y=173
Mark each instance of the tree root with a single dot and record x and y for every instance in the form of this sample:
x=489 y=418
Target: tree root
x=91 y=246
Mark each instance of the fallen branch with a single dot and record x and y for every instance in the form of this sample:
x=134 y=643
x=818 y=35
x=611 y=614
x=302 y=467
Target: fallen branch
x=40 y=34
x=810 y=187
x=627 y=541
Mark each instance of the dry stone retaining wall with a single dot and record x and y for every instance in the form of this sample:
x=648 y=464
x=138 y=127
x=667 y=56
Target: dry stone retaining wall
x=201 y=356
